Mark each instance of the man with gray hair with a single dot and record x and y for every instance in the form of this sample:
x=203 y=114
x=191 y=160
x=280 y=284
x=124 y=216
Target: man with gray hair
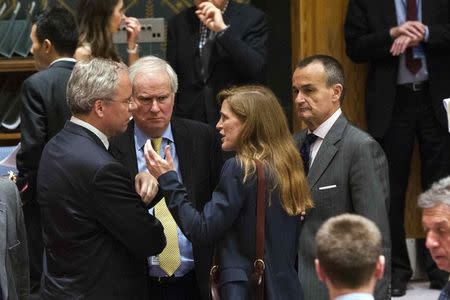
x=182 y=269
x=435 y=204
x=349 y=256
x=97 y=232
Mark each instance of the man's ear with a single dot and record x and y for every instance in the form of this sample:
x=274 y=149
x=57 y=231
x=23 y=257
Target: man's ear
x=379 y=267
x=99 y=107
x=320 y=274
x=48 y=46
x=337 y=91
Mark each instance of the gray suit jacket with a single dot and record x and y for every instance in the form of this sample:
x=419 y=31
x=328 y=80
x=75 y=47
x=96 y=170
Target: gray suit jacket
x=353 y=168
x=14 y=274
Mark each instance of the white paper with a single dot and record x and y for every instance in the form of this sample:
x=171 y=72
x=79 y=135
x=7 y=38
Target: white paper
x=447 y=108
x=10 y=160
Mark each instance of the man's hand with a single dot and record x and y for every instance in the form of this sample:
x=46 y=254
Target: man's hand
x=146 y=186
x=157 y=165
x=415 y=30
x=210 y=16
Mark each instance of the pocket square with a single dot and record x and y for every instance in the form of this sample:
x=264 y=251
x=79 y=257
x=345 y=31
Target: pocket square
x=327 y=187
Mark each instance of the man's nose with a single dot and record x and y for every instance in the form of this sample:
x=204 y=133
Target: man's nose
x=431 y=240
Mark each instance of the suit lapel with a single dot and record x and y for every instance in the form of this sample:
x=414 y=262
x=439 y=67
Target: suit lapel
x=327 y=150
x=185 y=149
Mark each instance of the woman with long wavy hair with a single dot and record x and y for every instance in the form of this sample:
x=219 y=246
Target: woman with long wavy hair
x=252 y=124
x=97 y=21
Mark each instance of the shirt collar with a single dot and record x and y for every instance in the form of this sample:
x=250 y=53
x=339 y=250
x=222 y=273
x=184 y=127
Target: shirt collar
x=63 y=59
x=93 y=129
x=323 y=128
x=140 y=137
x=356 y=296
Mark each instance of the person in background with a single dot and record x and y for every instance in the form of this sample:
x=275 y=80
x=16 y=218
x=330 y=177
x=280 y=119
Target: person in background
x=253 y=124
x=44 y=112
x=14 y=277
x=349 y=257
x=97 y=21
x=435 y=204
x=195 y=147
x=346 y=168
x=211 y=46
x=406 y=45
x=96 y=229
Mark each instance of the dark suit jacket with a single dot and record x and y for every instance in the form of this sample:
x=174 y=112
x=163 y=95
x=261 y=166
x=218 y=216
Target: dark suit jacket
x=367 y=40
x=229 y=222
x=97 y=231
x=200 y=161
x=44 y=113
x=238 y=56
x=355 y=164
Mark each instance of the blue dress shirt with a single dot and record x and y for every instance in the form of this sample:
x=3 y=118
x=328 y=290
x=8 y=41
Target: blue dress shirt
x=187 y=258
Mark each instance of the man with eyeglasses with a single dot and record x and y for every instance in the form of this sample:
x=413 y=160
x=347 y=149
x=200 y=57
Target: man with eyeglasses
x=182 y=269
x=96 y=228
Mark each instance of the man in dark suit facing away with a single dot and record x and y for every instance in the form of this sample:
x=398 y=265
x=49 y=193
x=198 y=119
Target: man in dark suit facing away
x=346 y=169
x=211 y=46
x=54 y=39
x=97 y=231
x=196 y=150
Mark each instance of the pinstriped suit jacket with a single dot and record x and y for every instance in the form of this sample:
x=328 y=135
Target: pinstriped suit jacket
x=355 y=164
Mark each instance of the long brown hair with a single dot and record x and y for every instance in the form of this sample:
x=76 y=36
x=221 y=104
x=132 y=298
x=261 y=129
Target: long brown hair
x=94 y=17
x=265 y=136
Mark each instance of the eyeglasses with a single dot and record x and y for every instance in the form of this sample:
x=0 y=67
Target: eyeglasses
x=128 y=101
x=144 y=100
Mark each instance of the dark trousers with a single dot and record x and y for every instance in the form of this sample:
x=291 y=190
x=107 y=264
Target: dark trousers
x=177 y=288
x=32 y=216
x=413 y=118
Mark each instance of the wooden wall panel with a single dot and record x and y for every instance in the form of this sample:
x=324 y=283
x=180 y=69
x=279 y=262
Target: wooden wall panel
x=317 y=28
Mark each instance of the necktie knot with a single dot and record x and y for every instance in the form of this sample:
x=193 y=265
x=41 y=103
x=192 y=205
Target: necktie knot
x=156 y=143
x=311 y=138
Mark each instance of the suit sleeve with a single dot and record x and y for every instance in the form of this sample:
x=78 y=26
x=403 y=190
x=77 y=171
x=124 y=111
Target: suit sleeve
x=218 y=215
x=362 y=42
x=248 y=54
x=439 y=34
x=33 y=136
x=120 y=210
x=369 y=187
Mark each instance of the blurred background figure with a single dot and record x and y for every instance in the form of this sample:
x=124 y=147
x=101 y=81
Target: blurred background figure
x=97 y=21
x=349 y=257
x=211 y=46
x=406 y=44
x=253 y=124
x=44 y=112
x=14 y=276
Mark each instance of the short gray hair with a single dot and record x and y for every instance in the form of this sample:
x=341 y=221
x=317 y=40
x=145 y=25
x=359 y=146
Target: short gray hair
x=439 y=193
x=153 y=65
x=90 y=80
